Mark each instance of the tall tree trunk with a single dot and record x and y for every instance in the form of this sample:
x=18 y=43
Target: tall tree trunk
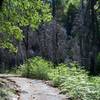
x=88 y=35
x=53 y=8
x=94 y=37
x=1 y=2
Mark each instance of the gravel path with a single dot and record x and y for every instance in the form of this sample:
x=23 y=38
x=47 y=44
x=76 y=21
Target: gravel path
x=31 y=89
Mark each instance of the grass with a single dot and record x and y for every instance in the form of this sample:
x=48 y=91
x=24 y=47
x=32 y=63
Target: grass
x=73 y=81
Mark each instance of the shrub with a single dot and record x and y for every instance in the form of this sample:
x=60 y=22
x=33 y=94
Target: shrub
x=36 y=68
x=6 y=93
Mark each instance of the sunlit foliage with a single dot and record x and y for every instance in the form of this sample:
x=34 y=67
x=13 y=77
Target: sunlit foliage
x=19 y=13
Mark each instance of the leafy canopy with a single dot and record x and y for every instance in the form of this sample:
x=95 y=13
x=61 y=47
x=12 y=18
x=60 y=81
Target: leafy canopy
x=66 y=4
x=19 y=13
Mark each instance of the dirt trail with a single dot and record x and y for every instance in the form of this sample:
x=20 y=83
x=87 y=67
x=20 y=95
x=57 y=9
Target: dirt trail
x=31 y=89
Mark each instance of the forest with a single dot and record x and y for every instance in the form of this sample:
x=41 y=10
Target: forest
x=50 y=46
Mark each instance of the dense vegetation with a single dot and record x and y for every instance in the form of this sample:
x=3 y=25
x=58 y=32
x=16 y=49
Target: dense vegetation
x=69 y=78
x=79 y=18
x=5 y=91
x=66 y=33
x=17 y=14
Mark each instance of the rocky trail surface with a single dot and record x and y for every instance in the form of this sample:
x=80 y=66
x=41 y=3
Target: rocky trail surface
x=31 y=89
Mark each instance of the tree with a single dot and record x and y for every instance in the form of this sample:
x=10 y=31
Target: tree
x=1 y=2
x=16 y=14
x=89 y=35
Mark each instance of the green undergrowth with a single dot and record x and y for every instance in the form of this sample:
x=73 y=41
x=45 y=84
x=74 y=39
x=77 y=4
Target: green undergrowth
x=36 y=68
x=76 y=83
x=72 y=81
x=6 y=93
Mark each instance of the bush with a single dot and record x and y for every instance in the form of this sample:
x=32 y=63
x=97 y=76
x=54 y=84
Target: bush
x=36 y=68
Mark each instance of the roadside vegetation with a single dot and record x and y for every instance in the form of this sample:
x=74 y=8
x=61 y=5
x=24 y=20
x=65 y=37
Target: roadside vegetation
x=73 y=81
x=6 y=93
